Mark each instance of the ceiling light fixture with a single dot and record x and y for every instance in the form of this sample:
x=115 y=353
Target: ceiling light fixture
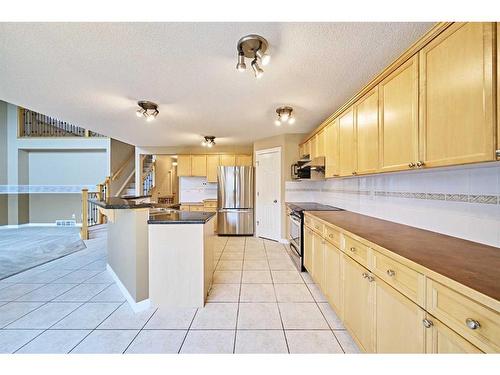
x=148 y=110
x=208 y=141
x=253 y=47
x=284 y=115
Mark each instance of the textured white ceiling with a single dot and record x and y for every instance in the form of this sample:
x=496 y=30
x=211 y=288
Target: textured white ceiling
x=92 y=74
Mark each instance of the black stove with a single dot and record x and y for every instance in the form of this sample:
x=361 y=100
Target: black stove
x=296 y=228
x=311 y=206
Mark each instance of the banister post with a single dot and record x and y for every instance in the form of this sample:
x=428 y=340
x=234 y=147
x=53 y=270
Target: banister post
x=84 y=232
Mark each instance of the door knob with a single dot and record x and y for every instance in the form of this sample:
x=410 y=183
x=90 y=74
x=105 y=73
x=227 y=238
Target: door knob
x=275 y=201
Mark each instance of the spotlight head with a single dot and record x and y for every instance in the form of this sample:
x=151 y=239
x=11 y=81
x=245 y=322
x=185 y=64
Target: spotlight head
x=277 y=122
x=257 y=70
x=263 y=57
x=241 y=66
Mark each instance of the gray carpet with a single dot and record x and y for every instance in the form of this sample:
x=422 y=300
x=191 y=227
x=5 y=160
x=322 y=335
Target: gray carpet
x=24 y=248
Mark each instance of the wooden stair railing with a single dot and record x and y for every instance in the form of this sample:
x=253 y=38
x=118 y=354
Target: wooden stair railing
x=91 y=215
x=34 y=124
x=148 y=179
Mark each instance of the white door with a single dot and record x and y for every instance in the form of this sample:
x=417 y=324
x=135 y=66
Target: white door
x=268 y=193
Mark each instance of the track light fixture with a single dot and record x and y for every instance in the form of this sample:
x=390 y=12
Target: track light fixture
x=148 y=110
x=208 y=141
x=284 y=116
x=253 y=47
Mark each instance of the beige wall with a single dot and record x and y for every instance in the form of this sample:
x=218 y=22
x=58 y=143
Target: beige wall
x=121 y=154
x=289 y=144
x=47 y=208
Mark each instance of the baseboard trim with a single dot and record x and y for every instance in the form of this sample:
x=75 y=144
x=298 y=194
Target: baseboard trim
x=136 y=306
x=15 y=226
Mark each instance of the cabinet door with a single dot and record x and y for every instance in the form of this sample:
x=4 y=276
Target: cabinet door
x=399 y=118
x=302 y=150
x=184 y=165
x=228 y=160
x=314 y=146
x=457 y=101
x=347 y=143
x=212 y=165
x=399 y=322
x=441 y=339
x=359 y=304
x=332 y=149
x=367 y=133
x=307 y=148
x=318 y=260
x=320 y=143
x=333 y=277
x=199 y=165
x=308 y=250
x=244 y=160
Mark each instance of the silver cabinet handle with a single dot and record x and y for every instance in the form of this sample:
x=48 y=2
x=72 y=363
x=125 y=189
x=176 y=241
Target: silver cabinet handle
x=330 y=235
x=391 y=273
x=275 y=201
x=353 y=249
x=420 y=164
x=427 y=323
x=367 y=276
x=354 y=173
x=472 y=324
x=411 y=165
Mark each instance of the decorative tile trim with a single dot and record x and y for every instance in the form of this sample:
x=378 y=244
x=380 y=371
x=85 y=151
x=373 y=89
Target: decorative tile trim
x=462 y=198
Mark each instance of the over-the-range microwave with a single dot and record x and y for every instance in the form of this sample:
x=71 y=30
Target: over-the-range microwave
x=309 y=169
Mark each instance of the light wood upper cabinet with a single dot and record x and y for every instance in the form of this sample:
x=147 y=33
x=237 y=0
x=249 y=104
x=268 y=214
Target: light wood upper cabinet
x=367 y=133
x=359 y=306
x=302 y=150
x=308 y=250
x=184 y=165
x=398 y=110
x=456 y=97
x=320 y=143
x=227 y=160
x=198 y=165
x=332 y=149
x=498 y=92
x=307 y=148
x=347 y=144
x=314 y=146
x=244 y=160
x=212 y=165
x=399 y=322
x=442 y=340
x=333 y=277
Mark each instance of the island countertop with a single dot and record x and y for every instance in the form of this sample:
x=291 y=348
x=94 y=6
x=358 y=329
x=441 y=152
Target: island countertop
x=116 y=203
x=470 y=263
x=180 y=217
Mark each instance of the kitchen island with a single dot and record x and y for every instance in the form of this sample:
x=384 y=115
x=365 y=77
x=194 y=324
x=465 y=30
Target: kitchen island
x=181 y=257
x=158 y=252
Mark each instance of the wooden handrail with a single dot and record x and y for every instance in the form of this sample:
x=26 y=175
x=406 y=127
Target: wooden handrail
x=84 y=232
x=122 y=167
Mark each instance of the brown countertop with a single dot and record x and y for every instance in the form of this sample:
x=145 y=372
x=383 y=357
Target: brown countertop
x=469 y=263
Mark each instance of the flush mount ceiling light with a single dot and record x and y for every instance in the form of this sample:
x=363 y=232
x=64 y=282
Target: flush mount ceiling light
x=209 y=141
x=148 y=110
x=284 y=115
x=253 y=47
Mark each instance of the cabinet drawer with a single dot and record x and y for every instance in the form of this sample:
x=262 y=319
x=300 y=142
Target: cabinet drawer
x=332 y=236
x=197 y=208
x=356 y=250
x=407 y=281
x=184 y=207
x=477 y=323
x=317 y=226
x=210 y=204
x=308 y=221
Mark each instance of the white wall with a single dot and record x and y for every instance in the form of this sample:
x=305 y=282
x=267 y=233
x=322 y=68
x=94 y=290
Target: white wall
x=458 y=201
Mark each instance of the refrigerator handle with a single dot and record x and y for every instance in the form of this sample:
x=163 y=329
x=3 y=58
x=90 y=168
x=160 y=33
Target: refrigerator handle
x=237 y=188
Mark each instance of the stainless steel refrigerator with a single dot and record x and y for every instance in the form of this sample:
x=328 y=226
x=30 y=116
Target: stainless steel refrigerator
x=235 y=201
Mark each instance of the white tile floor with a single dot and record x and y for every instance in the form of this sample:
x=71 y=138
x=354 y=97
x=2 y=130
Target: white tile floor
x=258 y=303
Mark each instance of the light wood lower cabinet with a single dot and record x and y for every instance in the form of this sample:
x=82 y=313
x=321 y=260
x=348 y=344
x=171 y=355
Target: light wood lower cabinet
x=359 y=306
x=318 y=260
x=308 y=250
x=389 y=307
x=399 y=322
x=442 y=340
x=333 y=277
